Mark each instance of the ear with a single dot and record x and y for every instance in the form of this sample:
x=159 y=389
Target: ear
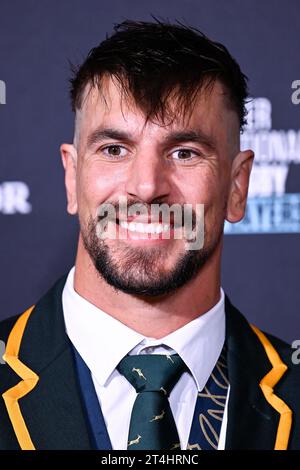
x=240 y=177
x=69 y=160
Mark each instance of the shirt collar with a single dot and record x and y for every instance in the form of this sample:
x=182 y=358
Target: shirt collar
x=102 y=341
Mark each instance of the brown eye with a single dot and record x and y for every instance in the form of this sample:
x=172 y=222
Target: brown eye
x=183 y=154
x=114 y=151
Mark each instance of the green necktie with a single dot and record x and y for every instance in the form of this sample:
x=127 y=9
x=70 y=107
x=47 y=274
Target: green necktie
x=152 y=425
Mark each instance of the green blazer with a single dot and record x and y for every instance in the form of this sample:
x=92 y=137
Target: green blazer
x=40 y=398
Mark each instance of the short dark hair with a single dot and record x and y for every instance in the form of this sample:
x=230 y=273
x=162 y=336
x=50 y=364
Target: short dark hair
x=152 y=60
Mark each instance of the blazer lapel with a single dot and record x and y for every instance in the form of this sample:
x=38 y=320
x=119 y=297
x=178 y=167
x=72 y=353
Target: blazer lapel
x=53 y=410
x=45 y=407
x=253 y=422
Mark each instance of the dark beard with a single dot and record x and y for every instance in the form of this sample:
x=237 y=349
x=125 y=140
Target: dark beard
x=136 y=270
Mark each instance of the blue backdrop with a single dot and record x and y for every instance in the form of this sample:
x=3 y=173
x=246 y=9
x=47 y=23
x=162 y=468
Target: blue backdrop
x=38 y=239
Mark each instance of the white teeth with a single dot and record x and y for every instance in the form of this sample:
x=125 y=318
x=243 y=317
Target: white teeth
x=123 y=224
x=144 y=228
x=132 y=226
x=139 y=227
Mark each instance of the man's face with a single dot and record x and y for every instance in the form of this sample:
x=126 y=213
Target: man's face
x=187 y=161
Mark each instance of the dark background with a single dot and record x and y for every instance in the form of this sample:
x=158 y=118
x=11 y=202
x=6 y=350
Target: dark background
x=37 y=38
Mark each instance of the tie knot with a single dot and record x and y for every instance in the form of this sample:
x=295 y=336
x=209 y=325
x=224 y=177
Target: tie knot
x=152 y=372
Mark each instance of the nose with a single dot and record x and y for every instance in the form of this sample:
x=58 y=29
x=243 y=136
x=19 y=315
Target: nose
x=148 y=177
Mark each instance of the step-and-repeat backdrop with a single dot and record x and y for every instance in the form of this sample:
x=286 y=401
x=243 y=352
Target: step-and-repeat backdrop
x=38 y=239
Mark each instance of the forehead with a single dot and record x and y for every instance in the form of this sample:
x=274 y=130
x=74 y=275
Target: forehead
x=108 y=107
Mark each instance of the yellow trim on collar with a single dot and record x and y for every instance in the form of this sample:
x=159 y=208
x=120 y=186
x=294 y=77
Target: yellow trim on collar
x=267 y=385
x=28 y=382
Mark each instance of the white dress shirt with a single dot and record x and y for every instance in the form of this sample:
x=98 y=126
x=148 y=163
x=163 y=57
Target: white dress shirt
x=102 y=341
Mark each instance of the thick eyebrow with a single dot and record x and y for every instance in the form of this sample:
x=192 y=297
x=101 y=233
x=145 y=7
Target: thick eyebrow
x=173 y=138
x=191 y=135
x=100 y=134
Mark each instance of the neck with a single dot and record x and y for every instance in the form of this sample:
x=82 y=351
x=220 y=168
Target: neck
x=152 y=317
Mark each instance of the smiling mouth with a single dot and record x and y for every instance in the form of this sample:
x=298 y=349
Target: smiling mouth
x=149 y=225
x=152 y=228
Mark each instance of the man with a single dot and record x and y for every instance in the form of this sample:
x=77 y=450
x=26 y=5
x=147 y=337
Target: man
x=138 y=347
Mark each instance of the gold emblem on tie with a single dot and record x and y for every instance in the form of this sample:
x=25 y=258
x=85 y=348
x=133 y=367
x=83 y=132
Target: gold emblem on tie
x=156 y=418
x=134 y=441
x=139 y=372
x=168 y=356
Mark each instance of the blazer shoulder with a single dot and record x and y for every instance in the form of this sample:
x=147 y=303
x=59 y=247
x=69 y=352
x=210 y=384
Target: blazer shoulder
x=287 y=355
x=242 y=328
x=283 y=348
x=278 y=343
x=245 y=336
x=49 y=301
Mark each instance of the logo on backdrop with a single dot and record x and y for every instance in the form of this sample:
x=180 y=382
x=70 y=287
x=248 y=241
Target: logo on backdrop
x=296 y=354
x=14 y=198
x=274 y=192
x=296 y=94
x=2 y=92
x=13 y=194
